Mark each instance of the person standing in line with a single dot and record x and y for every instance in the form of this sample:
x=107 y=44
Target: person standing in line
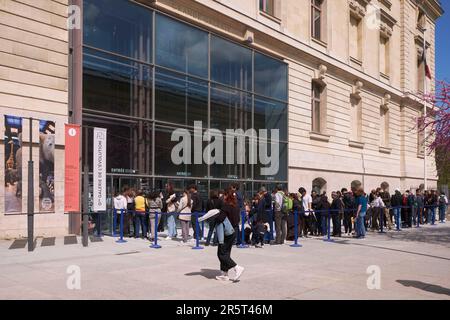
x=386 y=197
x=197 y=207
x=280 y=217
x=418 y=208
x=347 y=199
x=214 y=202
x=433 y=204
x=230 y=210
x=361 y=203
x=120 y=205
x=171 y=205
x=240 y=199
x=154 y=205
x=129 y=217
x=318 y=214
x=411 y=200
x=139 y=217
x=396 y=203
x=185 y=208
x=307 y=208
x=336 y=211
x=443 y=203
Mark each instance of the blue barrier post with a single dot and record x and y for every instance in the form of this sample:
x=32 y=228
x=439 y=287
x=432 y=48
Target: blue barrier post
x=296 y=244
x=122 y=213
x=328 y=238
x=155 y=244
x=197 y=241
x=243 y=245
x=272 y=226
x=99 y=229
x=113 y=233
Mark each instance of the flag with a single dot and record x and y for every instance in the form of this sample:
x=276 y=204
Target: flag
x=426 y=66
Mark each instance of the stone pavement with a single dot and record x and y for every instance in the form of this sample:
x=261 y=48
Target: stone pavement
x=414 y=264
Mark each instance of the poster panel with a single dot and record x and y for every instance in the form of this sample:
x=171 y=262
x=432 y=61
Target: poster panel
x=13 y=164
x=72 y=168
x=99 y=169
x=46 y=166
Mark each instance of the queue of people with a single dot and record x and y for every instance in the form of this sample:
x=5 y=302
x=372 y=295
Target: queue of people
x=270 y=216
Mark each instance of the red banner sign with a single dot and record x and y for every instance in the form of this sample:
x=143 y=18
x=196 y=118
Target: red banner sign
x=72 y=168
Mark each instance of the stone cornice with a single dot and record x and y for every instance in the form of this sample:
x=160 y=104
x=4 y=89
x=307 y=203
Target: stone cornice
x=432 y=7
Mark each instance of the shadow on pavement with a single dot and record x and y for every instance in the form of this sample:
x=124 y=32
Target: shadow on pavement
x=429 y=234
x=207 y=273
x=425 y=286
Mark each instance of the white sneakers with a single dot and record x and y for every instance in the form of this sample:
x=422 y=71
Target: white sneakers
x=239 y=270
x=223 y=277
x=238 y=273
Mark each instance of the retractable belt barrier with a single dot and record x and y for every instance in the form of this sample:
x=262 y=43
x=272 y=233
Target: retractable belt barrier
x=243 y=245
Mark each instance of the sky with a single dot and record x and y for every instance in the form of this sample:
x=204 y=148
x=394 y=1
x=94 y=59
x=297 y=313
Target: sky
x=443 y=44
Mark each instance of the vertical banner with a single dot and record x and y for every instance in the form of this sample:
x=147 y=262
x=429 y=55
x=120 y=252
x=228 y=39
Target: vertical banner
x=13 y=164
x=46 y=166
x=99 y=169
x=72 y=169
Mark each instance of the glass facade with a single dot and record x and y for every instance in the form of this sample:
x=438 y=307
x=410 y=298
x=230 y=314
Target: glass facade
x=142 y=96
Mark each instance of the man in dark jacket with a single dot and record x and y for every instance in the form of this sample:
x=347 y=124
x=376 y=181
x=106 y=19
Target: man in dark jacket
x=347 y=199
x=386 y=197
x=396 y=203
x=336 y=210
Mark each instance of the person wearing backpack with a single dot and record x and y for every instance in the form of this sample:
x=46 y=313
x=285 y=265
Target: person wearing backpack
x=280 y=216
x=443 y=202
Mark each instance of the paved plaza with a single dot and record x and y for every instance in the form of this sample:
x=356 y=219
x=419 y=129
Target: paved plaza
x=414 y=264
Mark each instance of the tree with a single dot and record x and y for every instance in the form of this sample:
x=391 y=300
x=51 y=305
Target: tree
x=437 y=126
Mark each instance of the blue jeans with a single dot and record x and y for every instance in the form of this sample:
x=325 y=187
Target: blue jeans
x=171 y=225
x=398 y=217
x=432 y=215
x=139 y=220
x=360 y=227
x=324 y=225
x=442 y=213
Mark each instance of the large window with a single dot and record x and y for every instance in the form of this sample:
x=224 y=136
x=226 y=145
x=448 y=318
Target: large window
x=316 y=104
x=231 y=64
x=180 y=99
x=115 y=85
x=181 y=47
x=118 y=26
x=142 y=89
x=355 y=41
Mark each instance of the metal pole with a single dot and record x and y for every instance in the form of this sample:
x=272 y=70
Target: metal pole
x=30 y=207
x=85 y=210
x=425 y=182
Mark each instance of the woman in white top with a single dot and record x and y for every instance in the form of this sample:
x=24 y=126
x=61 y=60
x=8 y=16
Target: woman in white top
x=184 y=207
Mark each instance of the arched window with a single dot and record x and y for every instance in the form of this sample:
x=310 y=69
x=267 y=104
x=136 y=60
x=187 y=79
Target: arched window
x=319 y=185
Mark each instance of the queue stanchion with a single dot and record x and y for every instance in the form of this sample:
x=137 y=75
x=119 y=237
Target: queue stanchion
x=155 y=244
x=114 y=226
x=197 y=241
x=296 y=244
x=328 y=238
x=243 y=245
x=121 y=240
x=272 y=226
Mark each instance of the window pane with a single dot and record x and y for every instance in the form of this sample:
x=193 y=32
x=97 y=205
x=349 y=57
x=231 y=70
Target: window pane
x=240 y=167
x=164 y=164
x=181 y=47
x=316 y=116
x=118 y=26
x=180 y=99
x=129 y=145
x=230 y=109
x=270 y=77
x=231 y=64
x=270 y=114
x=116 y=85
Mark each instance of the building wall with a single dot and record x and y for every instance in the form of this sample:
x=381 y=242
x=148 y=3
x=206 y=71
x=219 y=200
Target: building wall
x=34 y=83
x=288 y=35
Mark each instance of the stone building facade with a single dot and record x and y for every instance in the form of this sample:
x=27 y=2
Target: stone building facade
x=354 y=79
